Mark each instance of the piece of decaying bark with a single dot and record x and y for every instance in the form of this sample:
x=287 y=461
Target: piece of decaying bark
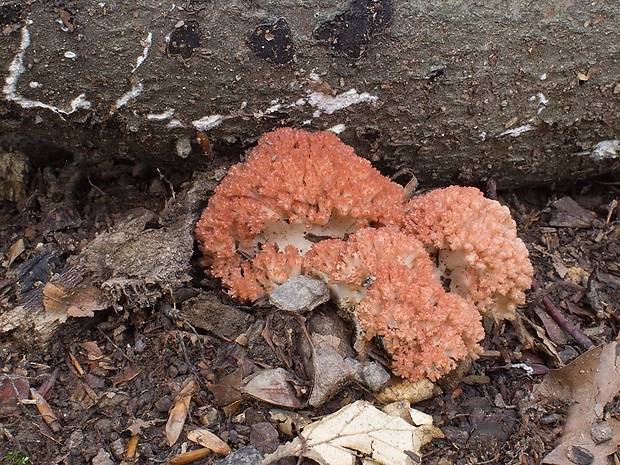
x=129 y=265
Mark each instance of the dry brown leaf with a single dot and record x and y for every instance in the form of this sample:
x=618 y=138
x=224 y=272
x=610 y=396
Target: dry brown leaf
x=45 y=410
x=207 y=439
x=127 y=375
x=288 y=422
x=190 y=456
x=13 y=389
x=358 y=429
x=79 y=301
x=15 y=251
x=586 y=76
x=138 y=425
x=272 y=386
x=228 y=390
x=179 y=411
x=589 y=382
x=93 y=351
x=67 y=19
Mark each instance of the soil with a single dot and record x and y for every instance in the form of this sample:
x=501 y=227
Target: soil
x=116 y=375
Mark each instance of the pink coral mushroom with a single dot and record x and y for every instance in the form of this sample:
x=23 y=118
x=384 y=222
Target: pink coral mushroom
x=388 y=277
x=478 y=250
x=295 y=186
x=304 y=204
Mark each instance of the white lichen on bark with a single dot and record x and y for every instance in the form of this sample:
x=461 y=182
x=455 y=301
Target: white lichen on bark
x=17 y=68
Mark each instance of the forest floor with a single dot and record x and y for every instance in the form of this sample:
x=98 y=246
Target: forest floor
x=112 y=379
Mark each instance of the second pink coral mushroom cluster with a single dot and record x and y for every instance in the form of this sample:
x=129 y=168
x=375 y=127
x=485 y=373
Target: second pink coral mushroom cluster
x=304 y=203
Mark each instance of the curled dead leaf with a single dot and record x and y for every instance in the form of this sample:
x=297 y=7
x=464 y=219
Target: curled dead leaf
x=45 y=410
x=358 y=429
x=589 y=382
x=272 y=386
x=78 y=301
x=411 y=391
x=190 y=456
x=15 y=251
x=131 y=447
x=180 y=410
x=206 y=438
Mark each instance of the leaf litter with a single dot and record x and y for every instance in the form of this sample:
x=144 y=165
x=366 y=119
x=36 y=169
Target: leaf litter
x=359 y=430
x=589 y=384
x=87 y=397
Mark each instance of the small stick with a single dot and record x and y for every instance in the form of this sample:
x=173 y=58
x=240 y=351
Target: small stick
x=583 y=340
x=47 y=386
x=492 y=189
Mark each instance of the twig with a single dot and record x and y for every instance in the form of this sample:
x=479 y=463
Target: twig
x=188 y=361
x=164 y=178
x=47 y=386
x=122 y=352
x=583 y=340
x=492 y=189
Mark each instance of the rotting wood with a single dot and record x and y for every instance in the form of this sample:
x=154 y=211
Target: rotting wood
x=524 y=92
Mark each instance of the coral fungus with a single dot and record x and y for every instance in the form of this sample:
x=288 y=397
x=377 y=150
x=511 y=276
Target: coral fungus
x=295 y=186
x=479 y=252
x=390 y=280
x=304 y=204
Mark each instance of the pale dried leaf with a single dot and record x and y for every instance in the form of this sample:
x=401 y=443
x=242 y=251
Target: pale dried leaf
x=411 y=391
x=15 y=251
x=403 y=410
x=176 y=419
x=272 y=386
x=180 y=410
x=358 y=428
x=589 y=382
x=206 y=438
x=138 y=425
x=78 y=301
x=190 y=387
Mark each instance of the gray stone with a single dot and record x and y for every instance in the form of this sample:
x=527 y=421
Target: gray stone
x=601 y=433
x=299 y=294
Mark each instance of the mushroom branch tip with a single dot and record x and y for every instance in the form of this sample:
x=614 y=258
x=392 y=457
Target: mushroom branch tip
x=417 y=275
x=478 y=251
x=390 y=280
x=294 y=188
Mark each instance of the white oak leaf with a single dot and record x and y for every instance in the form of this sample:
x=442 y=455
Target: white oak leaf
x=359 y=429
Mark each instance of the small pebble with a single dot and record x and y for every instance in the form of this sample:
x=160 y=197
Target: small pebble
x=551 y=419
x=74 y=443
x=299 y=294
x=103 y=458
x=118 y=449
x=163 y=405
x=264 y=436
x=374 y=376
x=245 y=456
x=601 y=433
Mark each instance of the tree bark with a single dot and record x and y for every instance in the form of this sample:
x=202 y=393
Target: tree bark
x=457 y=91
